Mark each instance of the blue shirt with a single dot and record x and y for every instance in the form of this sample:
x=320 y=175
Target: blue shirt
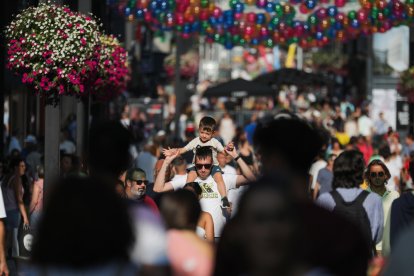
x=249 y=129
x=324 y=179
x=407 y=150
x=372 y=205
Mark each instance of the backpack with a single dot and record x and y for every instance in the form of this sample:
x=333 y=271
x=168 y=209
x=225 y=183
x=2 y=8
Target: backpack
x=354 y=212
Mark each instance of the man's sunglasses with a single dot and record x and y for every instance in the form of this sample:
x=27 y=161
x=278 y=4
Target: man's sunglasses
x=206 y=166
x=140 y=182
x=375 y=174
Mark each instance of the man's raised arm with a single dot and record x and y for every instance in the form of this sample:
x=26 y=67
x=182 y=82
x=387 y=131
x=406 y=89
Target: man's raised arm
x=160 y=185
x=247 y=174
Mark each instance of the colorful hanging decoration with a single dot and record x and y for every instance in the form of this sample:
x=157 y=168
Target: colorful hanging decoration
x=273 y=22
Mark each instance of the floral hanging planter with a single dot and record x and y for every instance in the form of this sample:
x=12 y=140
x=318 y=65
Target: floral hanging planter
x=113 y=71
x=60 y=52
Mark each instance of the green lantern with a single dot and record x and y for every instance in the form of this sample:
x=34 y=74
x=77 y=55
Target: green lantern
x=203 y=3
x=235 y=39
x=232 y=3
x=374 y=13
x=279 y=9
x=275 y=21
x=132 y=3
x=312 y=20
x=269 y=43
x=217 y=37
x=352 y=15
x=171 y=4
x=293 y=40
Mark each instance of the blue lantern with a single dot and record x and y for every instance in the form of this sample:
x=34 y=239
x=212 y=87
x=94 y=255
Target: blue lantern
x=332 y=11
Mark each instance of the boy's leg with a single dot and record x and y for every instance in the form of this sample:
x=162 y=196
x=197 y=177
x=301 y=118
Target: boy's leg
x=218 y=178
x=191 y=176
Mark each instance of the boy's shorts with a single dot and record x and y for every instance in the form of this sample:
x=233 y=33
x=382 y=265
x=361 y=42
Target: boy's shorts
x=214 y=169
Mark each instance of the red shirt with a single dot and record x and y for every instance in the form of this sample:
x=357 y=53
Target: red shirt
x=149 y=202
x=367 y=150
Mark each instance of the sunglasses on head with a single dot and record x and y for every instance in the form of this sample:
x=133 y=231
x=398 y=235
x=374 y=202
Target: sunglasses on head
x=206 y=166
x=375 y=174
x=140 y=182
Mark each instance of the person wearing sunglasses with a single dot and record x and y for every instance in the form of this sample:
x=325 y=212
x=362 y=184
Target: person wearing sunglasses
x=210 y=196
x=136 y=186
x=377 y=175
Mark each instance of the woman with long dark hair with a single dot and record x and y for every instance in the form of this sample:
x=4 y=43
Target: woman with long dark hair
x=13 y=195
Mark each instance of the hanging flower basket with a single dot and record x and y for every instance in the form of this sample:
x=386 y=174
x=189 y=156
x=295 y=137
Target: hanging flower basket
x=113 y=72
x=406 y=85
x=54 y=50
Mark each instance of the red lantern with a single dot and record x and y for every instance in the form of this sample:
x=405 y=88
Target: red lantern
x=362 y=15
x=251 y=17
x=204 y=14
x=216 y=12
x=340 y=3
x=303 y=9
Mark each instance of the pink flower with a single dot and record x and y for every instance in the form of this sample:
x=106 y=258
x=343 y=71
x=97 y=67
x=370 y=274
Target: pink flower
x=24 y=78
x=83 y=41
x=61 y=89
x=81 y=88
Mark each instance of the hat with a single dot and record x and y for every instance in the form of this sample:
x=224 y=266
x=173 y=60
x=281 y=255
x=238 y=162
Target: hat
x=135 y=174
x=30 y=139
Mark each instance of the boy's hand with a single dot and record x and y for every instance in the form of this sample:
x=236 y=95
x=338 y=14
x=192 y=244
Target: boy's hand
x=170 y=158
x=168 y=152
x=229 y=147
x=231 y=151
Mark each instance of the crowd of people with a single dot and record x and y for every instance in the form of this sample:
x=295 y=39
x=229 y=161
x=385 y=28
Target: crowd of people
x=318 y=192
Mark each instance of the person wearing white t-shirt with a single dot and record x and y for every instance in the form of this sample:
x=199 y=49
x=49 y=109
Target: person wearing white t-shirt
x=179 y=168
x=210 y=198
x=365 y=125
x=233 y=194
x=206 y=131
x=319 y=164
x=3 y=264
x=222 y=162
